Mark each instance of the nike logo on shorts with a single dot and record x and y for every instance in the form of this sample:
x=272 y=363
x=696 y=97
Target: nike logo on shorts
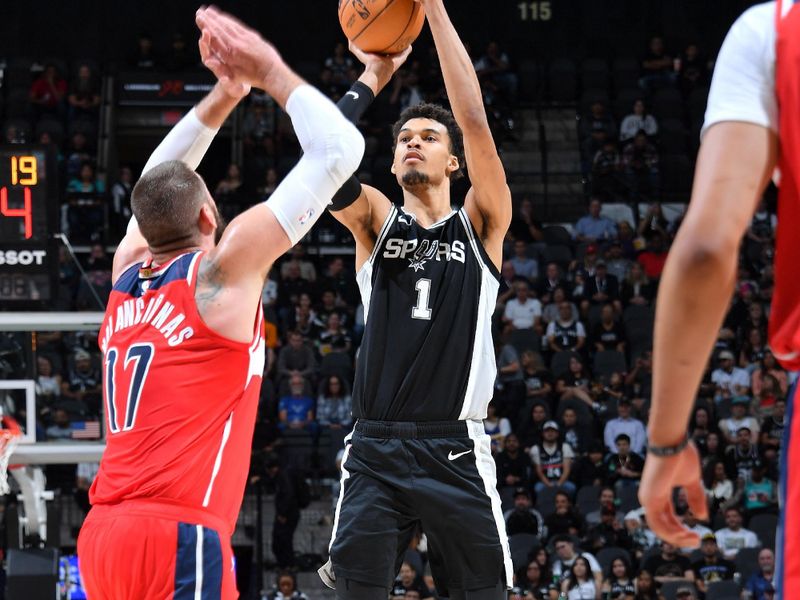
x=452 y=456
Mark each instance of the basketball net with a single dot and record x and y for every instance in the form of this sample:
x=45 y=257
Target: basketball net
x=10 y=435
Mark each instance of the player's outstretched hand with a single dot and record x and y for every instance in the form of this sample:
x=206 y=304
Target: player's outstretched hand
x=225 y=76
x=660 y=476
x=236 y=52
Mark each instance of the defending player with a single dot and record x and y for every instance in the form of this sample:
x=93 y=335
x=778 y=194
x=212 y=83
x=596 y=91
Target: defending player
x=429 y=278
x=755 y=75
x=183 y=340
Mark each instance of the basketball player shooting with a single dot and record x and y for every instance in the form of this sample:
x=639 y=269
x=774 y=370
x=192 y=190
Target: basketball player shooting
x=745 y=136
x=428 y=275
x=183 y=340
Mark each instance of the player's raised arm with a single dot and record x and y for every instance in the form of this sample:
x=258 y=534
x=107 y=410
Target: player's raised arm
x=332 y=150
x=489 y=201
x=361 y=208
x=188 y=142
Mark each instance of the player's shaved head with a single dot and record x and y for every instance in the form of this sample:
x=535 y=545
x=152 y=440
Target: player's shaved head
x=166 y=202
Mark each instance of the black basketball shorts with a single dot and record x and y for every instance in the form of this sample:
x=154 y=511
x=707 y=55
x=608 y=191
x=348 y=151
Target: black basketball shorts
x=438 y=474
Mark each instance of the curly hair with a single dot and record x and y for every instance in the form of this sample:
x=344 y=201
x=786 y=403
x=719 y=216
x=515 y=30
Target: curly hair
x=437 y=113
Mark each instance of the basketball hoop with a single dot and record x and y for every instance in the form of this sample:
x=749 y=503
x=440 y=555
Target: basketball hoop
x=10 y=435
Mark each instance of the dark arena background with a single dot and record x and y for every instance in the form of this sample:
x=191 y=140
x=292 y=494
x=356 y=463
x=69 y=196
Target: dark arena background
x=87 y=91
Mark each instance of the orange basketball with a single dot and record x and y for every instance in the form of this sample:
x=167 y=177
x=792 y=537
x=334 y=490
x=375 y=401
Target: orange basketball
x=382 y=26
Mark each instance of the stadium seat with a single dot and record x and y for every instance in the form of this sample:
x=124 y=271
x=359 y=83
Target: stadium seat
x=586 y=501
x=545 y=501
x=623 y=104
x=765 y=526
x=51 y=126
x=608 y=555
x=594 y=317
x=556 y=235
x=594 y=73
x=17 y=103
x=562 y=80
x=723 y=590
x=696 y=103
x=672 y=137
x=590 y=96
x=525 y=339
x=607 y=362
x=625 y=71
x=582 y=411
x=747 y=562
x=530 y=80
x=668 y=104
x=521 y=545
x=655 y=551
x=560 y=362
x=677 y=172
x=558 y=254
x=507 y=498
x=337 y=363
x=628 y=499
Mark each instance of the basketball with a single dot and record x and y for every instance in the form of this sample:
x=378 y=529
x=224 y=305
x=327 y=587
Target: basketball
x=382 y=26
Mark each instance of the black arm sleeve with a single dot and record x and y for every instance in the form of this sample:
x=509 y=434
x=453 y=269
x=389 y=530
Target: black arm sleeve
x=352 y=105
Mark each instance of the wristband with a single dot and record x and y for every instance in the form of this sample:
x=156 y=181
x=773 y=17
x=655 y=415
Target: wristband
x=667 y=451
x=356 y=101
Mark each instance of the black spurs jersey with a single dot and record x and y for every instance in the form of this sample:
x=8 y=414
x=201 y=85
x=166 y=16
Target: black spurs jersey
x=428 y=294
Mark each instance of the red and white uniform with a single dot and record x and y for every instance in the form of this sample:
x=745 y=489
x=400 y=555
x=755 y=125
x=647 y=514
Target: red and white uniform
x=757 y=80
x=180 y=405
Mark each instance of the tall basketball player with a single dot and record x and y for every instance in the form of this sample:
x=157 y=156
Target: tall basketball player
x=429 y=276
x=183 y=338
x=752 y=125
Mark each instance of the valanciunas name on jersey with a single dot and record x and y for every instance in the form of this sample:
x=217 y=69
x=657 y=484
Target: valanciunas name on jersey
x=134 y=312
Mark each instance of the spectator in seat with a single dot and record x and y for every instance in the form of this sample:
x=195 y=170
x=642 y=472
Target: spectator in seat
x=640 y=162
x=711 y=568
x=718 y=486
x=769 y=366
x=759 y=585
x=498 y=80
x=734 y=537
x=82 y=387
x=334 y=404
x=640 y=380
x=566 y=556
x=638 y=120
x=144 y=57
x=619 y=584
x=513 y=465
x=772 y=430
x=552 y=460
x=693 y=70
x=340 y=65
x=595 y=128
x=739 y=418
x=229 y=192
x=341 y=281
x=538 y=380
x=524 y=227
x=48 y=383
x=625 y=467
x=609 y=532
x=523 y=518
x=333 y=338
x=296 y=359
x=298 y=257
x=654 y=256
x=86 y=182
x=84 y=95
x=286 y=588
x=523 y=311
x=669 y=565
x=657 y=66
x=590 y=469
x=553 y=278
x=692 y=524
x=509 y=387
x=497 y=428
x=608 y=334
x=296 y=411
x=607 y=170
x=61 y=429
x=653 y=220
x=121 y=200
x=566 y=333
x=594 y=227
x=575 y=434
x=760 y=492
x=618 y=264
x=753 y=350
x=550 y=312
x=729 y=379
x=47 y=92
x=575 y=383
x=602 y=287
x=580 y=583
x=531 y=430
x=524 y=266
x=627 y=424
x=536 y=579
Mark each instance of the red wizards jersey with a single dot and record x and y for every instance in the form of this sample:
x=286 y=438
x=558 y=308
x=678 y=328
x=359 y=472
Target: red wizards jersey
x=180 y=399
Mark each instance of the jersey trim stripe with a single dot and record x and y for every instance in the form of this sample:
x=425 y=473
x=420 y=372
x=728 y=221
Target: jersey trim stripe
x=382 y=234
x=477 y=246
x=190 y=274
x=198 y=564
x=218 y=462
x=325 y=572
x=485 y=464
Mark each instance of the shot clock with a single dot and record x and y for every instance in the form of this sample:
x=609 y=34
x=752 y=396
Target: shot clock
x=28 y=216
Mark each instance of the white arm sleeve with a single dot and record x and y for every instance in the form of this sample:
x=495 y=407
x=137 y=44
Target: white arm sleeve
x=188 y=142
x=332 y=151
x=743 y=86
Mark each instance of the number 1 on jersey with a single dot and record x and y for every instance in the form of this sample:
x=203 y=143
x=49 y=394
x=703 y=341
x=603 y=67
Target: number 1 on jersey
x=142 y=355
x=422 y=310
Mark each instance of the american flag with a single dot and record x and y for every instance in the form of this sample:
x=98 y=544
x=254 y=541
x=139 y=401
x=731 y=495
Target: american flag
x=86 y=430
